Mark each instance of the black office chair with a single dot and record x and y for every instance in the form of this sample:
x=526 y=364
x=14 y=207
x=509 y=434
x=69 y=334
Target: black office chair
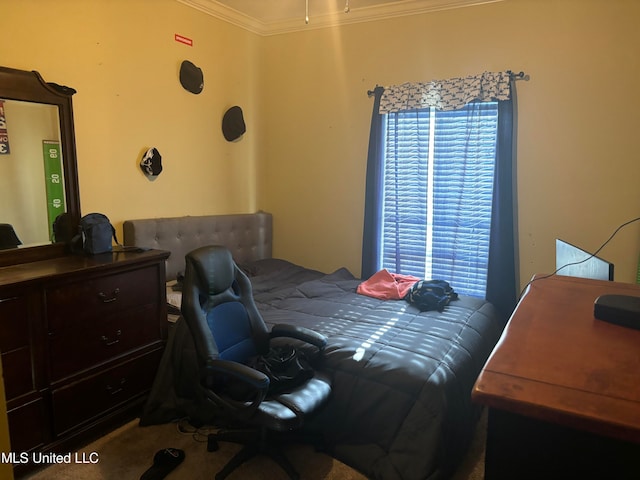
x=8 y=237
x=228 y=330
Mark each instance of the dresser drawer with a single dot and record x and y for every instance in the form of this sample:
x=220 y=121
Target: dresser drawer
x=18 y=372
x=28 y=426
x=70 y=305
x=15 y=345
x=92 y=397
x=14 y=322
x=101 y=340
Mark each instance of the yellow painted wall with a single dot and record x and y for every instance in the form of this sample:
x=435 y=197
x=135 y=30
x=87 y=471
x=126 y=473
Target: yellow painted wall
x=121 y=57
x=579 y=114
x=307 y=112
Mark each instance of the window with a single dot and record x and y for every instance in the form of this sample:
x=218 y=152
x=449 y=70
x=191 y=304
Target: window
x=438 y=174
x=439 y=198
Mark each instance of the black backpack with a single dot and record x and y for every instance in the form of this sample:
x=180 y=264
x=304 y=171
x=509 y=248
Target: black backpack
x=64 y=228
x=95 y=233
x=431 y=295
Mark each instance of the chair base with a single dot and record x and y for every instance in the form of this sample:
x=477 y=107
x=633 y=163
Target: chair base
x=255 y=443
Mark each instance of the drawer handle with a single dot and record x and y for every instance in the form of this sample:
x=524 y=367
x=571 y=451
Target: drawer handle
x=117 y=389
x=108 y=299
x=8 y=299
x=108 y=342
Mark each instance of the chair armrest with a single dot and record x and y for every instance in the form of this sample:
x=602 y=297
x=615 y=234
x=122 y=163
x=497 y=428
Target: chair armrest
x=301 y=333
x=239 y=371
x=255 y=379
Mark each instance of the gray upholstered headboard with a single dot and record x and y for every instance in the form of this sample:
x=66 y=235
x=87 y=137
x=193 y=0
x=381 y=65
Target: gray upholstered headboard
x=247 y=235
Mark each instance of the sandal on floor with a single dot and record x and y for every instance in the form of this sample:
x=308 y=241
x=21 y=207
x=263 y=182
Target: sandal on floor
x=164 y=462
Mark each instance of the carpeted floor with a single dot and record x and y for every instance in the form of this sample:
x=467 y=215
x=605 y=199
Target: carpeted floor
x=472 y=467
x=126 y=453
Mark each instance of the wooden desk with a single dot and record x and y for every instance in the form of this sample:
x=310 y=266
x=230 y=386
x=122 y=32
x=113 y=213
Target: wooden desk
x=563 y=387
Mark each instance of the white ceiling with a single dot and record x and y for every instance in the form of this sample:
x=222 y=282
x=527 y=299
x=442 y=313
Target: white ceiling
x=270 y=17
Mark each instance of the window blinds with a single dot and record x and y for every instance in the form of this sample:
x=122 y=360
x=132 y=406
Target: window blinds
x=438 y=188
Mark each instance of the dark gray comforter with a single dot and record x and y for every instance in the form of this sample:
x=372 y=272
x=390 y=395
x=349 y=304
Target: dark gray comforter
x=401 y=405
x=402 y=380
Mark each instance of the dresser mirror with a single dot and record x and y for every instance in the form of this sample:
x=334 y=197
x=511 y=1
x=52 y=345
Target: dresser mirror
x=38 y=167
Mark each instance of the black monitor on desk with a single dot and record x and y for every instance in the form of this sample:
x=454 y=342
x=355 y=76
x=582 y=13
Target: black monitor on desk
x=575 y=262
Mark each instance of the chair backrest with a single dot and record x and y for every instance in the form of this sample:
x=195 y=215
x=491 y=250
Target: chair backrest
x=218 y=306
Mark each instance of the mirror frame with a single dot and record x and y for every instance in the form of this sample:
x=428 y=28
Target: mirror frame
x=29 y=86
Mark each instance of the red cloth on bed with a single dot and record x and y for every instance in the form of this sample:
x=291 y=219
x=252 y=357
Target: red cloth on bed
x=386 y=285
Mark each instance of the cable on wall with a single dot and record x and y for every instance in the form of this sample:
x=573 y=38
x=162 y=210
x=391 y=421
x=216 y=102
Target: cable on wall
x=581 y=261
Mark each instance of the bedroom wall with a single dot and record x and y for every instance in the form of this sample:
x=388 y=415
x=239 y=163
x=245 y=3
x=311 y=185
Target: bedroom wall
x=304 y=95
x=578 y=116
x=121 y=57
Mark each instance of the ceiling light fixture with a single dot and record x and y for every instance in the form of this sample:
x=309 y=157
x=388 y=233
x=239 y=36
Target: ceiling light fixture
x=347 y=9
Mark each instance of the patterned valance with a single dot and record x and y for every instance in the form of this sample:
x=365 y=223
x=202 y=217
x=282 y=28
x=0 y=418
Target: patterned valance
x=446 y=94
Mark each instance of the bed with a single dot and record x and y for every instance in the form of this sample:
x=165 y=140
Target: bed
x=402 y=379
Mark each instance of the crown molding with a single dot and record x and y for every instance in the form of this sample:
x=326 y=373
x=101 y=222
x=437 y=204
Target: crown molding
x=356 y=15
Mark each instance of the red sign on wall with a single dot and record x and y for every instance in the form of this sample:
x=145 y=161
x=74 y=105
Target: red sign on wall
x=4 y=135
x=185 y=40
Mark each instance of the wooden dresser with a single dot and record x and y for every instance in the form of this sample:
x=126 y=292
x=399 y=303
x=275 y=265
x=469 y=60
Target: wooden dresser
x=81 y=338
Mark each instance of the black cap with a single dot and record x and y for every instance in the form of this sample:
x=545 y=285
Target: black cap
x=191 y=77
x=233 y=126
x=151 y=163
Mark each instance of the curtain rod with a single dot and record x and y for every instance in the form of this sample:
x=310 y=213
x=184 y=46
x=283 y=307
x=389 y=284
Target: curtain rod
x=518 y=76
x=513 y=76
x=370 y=93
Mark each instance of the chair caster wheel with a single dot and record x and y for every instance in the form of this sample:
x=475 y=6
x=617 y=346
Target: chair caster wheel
x=212 y=445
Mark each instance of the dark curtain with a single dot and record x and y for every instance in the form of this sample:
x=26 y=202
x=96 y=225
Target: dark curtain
x=501 y=275
x=373 y=193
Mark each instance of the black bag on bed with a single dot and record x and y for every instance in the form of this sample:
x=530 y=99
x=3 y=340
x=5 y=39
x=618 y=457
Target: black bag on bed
x=286 y=367
x=430 y=295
